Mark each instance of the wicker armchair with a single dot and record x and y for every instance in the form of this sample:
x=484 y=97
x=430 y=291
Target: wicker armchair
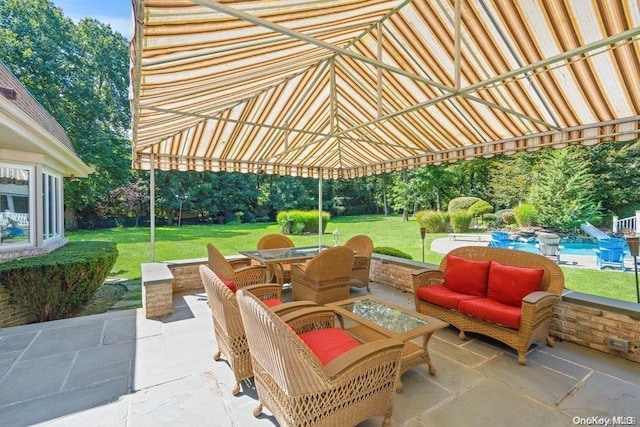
x=242 y=274
x=294 y=384
x=227 y=323
x=362 y=246
x=281 y=272
x=324 y=278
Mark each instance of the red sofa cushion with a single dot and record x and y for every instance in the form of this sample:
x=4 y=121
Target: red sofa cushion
x=442 y=296
x=508 y=284
x=272 y=302
x=231 y=285
x=493 y=311
x=466 y=276
x=329 y=343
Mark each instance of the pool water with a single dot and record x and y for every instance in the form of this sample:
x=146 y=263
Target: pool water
x=585 y=249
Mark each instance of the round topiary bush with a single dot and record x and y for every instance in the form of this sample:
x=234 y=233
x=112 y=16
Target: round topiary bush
x=461 y=203
x=53 y=285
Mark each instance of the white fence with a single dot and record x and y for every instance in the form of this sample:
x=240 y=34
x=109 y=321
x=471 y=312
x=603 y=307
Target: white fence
x=625 y=225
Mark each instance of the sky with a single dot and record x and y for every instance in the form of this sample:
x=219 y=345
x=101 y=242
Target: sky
x=116 y=13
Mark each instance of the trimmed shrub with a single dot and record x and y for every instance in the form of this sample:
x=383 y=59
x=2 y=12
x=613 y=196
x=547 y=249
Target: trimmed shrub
x=490 y=220
x=525 y=214
x=480 y=207
x=298 y=222
x=505 y=217
x=53 y=285
x=386 y=250
x=433 y=221
x=461 y=221
x=461 y=204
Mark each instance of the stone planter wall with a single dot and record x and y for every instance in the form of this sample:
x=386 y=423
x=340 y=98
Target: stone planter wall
x=13 y=314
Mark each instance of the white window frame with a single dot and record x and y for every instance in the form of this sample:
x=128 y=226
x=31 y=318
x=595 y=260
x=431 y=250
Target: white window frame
x=51 y=208
x=33 y=218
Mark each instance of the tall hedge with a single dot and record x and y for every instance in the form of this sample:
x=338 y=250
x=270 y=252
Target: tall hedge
x=433 y=221
x=53 y=285
x=298 y=222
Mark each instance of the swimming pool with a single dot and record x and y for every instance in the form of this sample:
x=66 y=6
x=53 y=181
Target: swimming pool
x=585 y=249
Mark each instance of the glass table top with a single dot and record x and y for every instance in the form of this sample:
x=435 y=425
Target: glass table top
x=284 y=254
x=383 y=315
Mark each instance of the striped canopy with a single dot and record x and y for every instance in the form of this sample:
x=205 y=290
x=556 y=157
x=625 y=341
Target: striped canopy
x=347 y=88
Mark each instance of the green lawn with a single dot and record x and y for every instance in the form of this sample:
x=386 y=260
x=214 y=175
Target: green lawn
x=190 y=241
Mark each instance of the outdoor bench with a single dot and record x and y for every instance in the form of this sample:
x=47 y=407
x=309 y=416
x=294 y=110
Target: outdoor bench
x=501 y=293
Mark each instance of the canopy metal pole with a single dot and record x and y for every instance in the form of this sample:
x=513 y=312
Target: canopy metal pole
x=320 y=211
x=152 y=207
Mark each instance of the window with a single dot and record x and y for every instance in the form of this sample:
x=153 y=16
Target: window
x=51 y=206
x=16 y=210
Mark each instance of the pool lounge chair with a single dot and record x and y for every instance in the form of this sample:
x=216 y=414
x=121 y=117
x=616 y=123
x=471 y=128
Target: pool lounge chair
x=610 y=252
x=500 y=239
x=549 y=245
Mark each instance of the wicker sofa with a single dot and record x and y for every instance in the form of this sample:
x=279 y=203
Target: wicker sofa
x=505 y=294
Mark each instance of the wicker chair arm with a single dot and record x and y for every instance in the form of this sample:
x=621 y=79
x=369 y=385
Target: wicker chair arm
x=540 y=298
x=265 y=291
x=298 y=268
x=288 y=307
x=310 y=319
x=355 y=358
x=239 y=263
x=537 y=302
x=427 y=277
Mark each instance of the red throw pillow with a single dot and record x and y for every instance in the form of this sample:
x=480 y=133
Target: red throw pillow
x=509 y=285
x=466 y=276
x=231 y=285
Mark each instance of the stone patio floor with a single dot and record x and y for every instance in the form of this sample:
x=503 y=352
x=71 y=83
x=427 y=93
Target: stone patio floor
x=121 y=369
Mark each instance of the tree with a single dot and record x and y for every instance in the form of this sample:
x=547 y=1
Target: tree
x=563 y=190
x=510 y=179
x=79 y=73
x=617 y=166
x=430 y=184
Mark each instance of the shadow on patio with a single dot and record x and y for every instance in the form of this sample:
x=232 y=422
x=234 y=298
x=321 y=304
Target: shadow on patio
x=121 y=369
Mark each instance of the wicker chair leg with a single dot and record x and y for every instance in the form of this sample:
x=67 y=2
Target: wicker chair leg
x=236 y=389
x=550 y=341
x=522 y=359
x=386 y=422
x=462 y=336
x=216 y=356
x=257 y=410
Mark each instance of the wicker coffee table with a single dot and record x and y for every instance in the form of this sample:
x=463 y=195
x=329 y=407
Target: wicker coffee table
x=369 y=318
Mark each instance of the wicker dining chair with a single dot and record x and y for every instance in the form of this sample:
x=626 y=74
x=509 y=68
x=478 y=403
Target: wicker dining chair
x=227 y=323
x=324 y=278
x=362 y=246
x=298 y=388
x=242 y=274
x=281 y=272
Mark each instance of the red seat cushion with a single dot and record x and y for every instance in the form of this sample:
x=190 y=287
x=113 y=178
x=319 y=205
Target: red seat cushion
x=272 y=302
x=493 y=311
x=466 y=276
x=231 y=285
x=509 y=285
x=327 y=344
x=442 y=296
